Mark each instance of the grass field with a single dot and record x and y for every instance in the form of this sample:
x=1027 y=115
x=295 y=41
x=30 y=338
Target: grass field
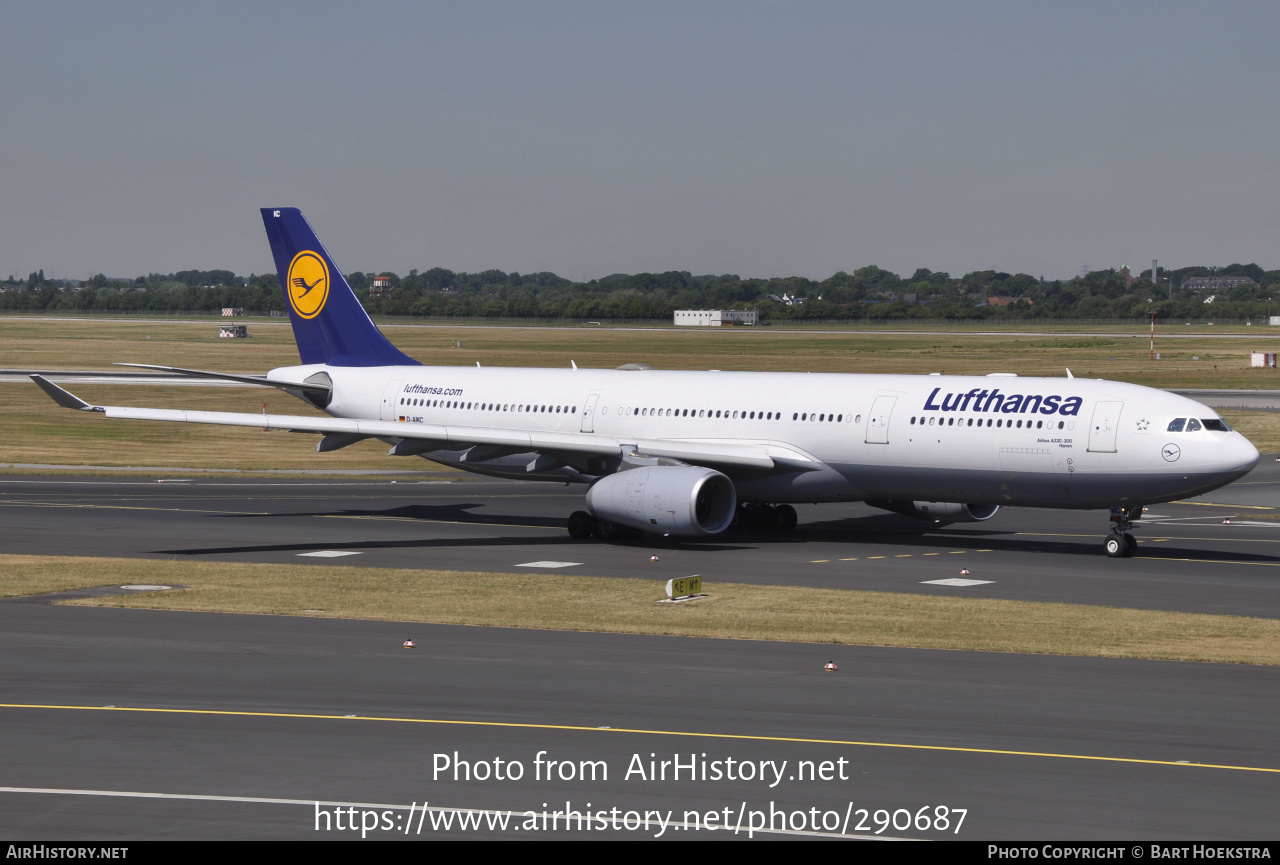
x=731 y=611
x=39 y=432
x=75 y=344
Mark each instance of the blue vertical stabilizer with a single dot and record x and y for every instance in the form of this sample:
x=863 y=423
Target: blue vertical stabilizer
x=329 y=324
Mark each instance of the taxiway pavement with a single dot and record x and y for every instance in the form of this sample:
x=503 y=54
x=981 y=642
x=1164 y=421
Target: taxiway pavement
x=1216 y=554
x=134 y=724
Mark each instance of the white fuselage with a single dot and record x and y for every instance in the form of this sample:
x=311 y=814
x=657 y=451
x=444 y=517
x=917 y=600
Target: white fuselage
x=999 y=440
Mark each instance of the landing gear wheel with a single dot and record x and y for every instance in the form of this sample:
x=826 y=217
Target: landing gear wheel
x=1120 y=544
x=787 y=519
x=608 y=531
x=580 y=525
x=757 y=518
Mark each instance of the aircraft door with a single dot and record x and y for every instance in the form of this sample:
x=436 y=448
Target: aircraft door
x=589 y=413
x=390 y=394
x=878 y=420
x=1104 y=426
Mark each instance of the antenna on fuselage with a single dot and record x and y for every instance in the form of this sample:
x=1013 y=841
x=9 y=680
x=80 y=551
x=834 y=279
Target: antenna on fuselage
x=1069 y=375
x=572 y=364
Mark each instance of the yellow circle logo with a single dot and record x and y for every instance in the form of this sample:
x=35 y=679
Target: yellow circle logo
x=308 y=286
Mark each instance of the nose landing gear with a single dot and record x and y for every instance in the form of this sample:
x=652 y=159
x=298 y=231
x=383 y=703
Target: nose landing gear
x=1120 y=544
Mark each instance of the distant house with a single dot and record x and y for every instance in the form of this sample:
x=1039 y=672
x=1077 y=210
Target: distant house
x=1216 y=283
x=381 y=285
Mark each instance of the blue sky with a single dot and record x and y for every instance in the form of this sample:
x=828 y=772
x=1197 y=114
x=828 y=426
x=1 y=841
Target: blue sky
x=758 y=138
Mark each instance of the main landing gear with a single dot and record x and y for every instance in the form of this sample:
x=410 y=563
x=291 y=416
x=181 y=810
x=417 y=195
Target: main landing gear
x=765 y=519
x=582 y=526
x=1120 y=544
x=756 y=518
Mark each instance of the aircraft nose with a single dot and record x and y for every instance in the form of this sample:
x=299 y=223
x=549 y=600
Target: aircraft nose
x=1239 y=455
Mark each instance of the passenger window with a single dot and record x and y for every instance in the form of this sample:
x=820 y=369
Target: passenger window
x=1193 y=425
x=1177 y=424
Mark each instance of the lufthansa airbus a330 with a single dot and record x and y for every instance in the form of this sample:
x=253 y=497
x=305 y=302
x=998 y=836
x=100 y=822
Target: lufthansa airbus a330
x=688 y=453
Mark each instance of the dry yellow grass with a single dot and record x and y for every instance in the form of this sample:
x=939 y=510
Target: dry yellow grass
x=732 y=611
x=1119 y=355
x=39 y=431
x=1260 y=427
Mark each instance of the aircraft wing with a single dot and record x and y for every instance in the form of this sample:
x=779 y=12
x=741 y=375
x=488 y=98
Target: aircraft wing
x=753 y=455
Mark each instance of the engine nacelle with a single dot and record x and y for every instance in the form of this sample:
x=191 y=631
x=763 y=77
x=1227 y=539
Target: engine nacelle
x=946 y=512
x=679 y=500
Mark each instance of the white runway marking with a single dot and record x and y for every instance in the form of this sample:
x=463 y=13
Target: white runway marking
x=515 y=816
x=548 y=564
x=957 y=581
x=145 y=588
x=330 y=554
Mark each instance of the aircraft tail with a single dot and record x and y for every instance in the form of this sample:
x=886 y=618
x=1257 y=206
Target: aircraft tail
x=329 y=324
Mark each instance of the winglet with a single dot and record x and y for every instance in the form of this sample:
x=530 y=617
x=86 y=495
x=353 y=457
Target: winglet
x=66 y=399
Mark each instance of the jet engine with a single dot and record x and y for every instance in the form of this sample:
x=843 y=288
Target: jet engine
x=678 y=500
x=944 y=512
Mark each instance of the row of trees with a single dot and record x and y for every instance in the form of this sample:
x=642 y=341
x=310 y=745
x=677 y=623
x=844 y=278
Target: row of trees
x=869 y=293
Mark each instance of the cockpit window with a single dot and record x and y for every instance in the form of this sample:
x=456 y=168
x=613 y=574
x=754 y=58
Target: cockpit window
x=1193 y=425
x=1215 y=424
x=1177 y=424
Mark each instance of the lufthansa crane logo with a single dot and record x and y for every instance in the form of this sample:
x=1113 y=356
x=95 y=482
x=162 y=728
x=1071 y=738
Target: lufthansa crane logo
x=308 y=286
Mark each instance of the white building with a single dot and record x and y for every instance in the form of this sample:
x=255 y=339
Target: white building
x=714 y=317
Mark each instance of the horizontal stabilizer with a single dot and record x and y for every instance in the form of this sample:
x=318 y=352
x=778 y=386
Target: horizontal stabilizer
x=310 y=387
